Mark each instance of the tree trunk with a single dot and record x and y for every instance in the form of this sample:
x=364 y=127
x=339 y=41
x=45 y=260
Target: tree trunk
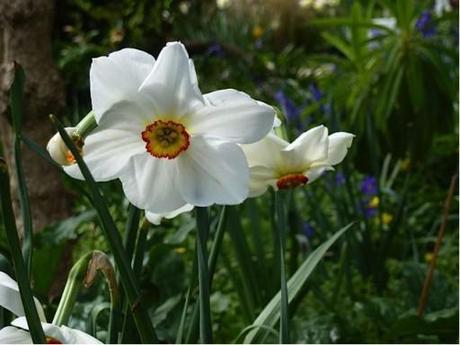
x=25 y=37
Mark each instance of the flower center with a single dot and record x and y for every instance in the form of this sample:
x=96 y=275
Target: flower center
x=291 y=181
x=165 y=139
x=51 y=340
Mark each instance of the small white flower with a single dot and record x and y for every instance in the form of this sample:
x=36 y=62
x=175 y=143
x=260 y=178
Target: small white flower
x=155 y=218
x=10 y=299
x=18 y=334
x=277 y=163
x=58 y=150
x=167 y=143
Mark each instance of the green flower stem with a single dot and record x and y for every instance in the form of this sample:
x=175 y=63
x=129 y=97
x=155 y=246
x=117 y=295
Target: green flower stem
x=16 y=104
x=281 y=230
x=113 y=237
x=215 y=250
x=202 y=222
x=72 y=286
x=27 y=299
x=129 y=242
x=83 y=273
x=86 y=125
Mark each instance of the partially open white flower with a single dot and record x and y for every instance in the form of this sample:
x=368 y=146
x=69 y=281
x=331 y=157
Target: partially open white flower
x=18 y=334
x=277 y=163
x=58 y=150
x=167 y=143
x=156 y=218
x=10 y=299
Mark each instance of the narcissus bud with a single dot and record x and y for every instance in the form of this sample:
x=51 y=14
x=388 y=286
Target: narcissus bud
x=58 y=150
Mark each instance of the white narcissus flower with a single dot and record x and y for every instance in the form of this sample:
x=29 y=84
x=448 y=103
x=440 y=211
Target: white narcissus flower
x=18 y=334
x=167 y=143
x=10 y=299
x=277 y=163
x=58 y=150
x=155 y=218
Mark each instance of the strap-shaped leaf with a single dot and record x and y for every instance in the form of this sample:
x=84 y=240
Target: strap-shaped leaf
x=271 y=313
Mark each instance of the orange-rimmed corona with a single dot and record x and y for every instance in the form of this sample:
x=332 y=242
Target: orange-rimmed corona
x=51 y=340
x=291 y=181
x=165 y=139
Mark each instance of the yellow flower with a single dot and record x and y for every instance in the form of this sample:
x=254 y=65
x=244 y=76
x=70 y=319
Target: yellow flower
x=387 y=218
x=405 y=164
x=257 y=32
x=375 y=201
x=180 y=250
x=429 y=257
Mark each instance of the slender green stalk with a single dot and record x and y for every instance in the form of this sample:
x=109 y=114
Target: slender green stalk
x=215 y=250
x=281 y=230
x=202 y=222
x=86 y=125
x=129 y=242
x=27 y=299
x=113 y=237
x=72 y=286
x=16 y=102
x=128 y=334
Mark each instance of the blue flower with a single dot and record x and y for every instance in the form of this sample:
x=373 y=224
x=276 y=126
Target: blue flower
x=308 y=230
x=369 y=212
x=215 y=49
x=424 y=24
x=315 y=92
x=339 y=179
x=368 y=186
x=288 y=106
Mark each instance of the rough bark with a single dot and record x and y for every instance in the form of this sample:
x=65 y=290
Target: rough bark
x=25 y=37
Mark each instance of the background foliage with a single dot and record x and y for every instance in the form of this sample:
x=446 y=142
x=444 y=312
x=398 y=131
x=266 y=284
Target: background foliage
x=395 y=87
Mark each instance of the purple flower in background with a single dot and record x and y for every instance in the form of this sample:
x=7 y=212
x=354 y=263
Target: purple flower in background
x=368 y=186
x=215 y=49
x=317 y=96
x=369 y=212
x=258 y=44
x=308 y=230
x=425 y=25
x=315 y=92
x=288 y=106
x=339 y=179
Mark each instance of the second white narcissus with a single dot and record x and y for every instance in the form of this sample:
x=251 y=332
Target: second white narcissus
x=155 y=218
x=168 y=144
x=275 y=162
x=10 y=299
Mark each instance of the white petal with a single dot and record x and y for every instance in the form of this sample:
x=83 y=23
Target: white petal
x=13 y=335
x=117 y=78
x=106 y=152
x=232 y=116
x=171 y=85
x=155 y=218
x=339 y=143
x=75 y=336
x=266 y=152
x=64 y=334
x=316 y=172
x=213 y=172
x=10 y=298
x=57 y=149
x=150 y=183
x=311 y=146
x=260 y=179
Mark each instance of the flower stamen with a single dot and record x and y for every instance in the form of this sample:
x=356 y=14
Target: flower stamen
x=165 y=139
x=291 y=181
